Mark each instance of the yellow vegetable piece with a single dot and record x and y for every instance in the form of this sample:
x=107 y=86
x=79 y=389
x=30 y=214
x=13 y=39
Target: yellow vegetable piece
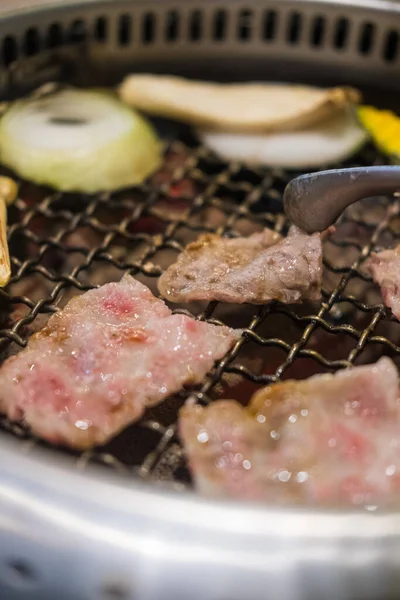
x=8 y=193
x=383 y=127
x=5 y=265
x=8 y=190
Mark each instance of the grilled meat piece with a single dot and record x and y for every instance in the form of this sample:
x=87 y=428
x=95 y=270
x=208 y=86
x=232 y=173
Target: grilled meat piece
x=102 y=360
x=385 y=270
x=256 y=269
x=327 y=439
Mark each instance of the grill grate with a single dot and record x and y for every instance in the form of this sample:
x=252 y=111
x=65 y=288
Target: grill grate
x=62 y=245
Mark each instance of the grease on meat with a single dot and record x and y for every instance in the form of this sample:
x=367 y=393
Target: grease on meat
x=327 y=439
x=256 y=269
x=102 y=360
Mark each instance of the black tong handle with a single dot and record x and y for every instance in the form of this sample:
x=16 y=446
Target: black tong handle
x=313 y=202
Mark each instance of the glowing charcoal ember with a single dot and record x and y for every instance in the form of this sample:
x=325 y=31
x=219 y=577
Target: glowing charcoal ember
x=100 y=362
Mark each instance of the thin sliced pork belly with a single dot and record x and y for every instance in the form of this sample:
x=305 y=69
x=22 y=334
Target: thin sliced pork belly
x=256 y=269
x=327 y=439
x=385 y=271
x=100 y=362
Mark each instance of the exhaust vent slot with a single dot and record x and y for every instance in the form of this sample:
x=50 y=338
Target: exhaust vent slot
x=391 y=46
x=77 y=32
x=318 y=32
x=10 y=50
x=270 y=25
x=245 y=25
x=196 y=26
x=341 y=35
x=31 y=44
x=220 y=23
x=101 y=29
x=148 y=28
x=293 y=33
x=172 y=26
x=125 y=30
x=366 y=39
x=55 y=36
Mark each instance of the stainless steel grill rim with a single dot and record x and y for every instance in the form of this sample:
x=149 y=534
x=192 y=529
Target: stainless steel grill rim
x=107 y=536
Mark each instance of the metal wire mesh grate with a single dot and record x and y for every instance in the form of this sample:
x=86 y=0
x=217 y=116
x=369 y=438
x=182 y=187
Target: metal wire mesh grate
x=62 y=245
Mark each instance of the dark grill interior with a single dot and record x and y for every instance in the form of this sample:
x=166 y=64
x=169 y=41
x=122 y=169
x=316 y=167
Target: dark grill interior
x=62 y=245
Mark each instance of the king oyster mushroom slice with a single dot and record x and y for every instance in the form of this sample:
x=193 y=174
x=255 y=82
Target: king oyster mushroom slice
x=243 y=107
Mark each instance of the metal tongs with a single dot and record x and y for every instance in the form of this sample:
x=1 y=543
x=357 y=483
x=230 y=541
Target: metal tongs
x=314 y=201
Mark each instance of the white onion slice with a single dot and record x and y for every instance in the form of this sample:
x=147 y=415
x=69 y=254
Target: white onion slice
x=77 y=140
x=324 y=144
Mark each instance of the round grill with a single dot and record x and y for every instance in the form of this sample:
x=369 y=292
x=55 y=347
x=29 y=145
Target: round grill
x=96 y=532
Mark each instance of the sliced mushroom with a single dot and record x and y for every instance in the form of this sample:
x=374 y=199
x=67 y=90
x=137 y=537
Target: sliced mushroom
x=247 y=107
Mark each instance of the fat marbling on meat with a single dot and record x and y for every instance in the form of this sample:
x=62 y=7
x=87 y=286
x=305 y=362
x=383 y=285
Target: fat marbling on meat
x=385 y=270
x=254 y=269
x=326 y=439
x=103 y=359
